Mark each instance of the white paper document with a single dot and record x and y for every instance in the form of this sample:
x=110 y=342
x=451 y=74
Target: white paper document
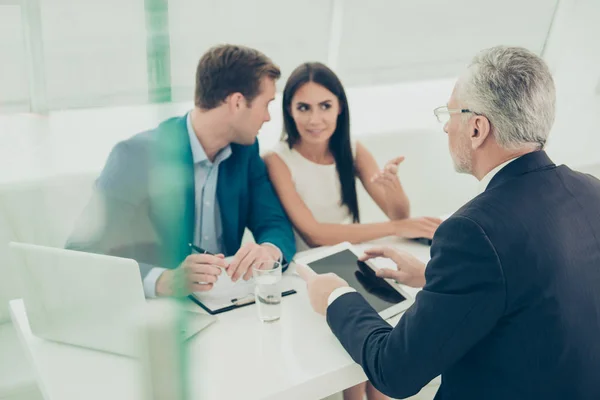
x=225 y=290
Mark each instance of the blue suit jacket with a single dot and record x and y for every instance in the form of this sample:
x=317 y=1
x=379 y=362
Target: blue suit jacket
x=511 y=307
x=144 y=203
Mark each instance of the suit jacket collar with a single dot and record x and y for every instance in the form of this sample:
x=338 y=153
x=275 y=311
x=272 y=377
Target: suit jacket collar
x=535 y=161
x=173 y=141
x=173 y=176
x=484 y=182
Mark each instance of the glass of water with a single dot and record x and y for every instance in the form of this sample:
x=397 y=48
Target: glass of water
x=267 y=275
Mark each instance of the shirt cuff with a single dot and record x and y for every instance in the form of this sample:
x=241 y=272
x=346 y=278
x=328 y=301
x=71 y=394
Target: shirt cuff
x=150 y=281
x=272 y=245
x=337 y=293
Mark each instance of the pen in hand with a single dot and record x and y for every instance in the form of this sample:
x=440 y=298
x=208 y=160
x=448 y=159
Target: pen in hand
x=200 y=250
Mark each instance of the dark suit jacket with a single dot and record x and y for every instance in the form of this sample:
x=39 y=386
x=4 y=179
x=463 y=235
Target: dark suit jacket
x=144 y=202
x=511 y=307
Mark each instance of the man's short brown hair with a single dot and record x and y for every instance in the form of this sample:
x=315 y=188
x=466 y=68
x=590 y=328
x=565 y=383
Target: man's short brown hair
x=228 y=69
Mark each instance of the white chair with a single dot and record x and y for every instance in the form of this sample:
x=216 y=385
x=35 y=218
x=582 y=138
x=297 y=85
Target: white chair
x=9 y=284
x=44 y=211
x=16 y=376
x=40 y=212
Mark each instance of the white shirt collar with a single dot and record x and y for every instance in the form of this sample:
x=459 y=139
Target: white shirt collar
x=485 y=181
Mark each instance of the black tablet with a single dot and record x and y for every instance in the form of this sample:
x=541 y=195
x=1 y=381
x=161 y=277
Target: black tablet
x=385 y=296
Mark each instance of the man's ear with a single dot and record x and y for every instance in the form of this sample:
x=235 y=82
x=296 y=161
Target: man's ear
x=480 y=129
x=234 y=101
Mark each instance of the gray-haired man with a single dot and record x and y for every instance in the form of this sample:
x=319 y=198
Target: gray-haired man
x=510 y=307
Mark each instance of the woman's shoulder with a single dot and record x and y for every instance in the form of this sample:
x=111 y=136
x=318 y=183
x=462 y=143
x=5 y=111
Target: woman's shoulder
x=282 y=150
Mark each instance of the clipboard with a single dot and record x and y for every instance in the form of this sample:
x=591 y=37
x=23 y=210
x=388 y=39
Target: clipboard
x=236 y=303
x=227 y=295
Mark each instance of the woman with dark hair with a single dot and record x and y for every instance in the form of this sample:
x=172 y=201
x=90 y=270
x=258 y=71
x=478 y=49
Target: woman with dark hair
x=314 y=168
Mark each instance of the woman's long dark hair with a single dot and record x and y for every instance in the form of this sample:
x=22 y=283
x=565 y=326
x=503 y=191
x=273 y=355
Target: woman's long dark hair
x=339 y=143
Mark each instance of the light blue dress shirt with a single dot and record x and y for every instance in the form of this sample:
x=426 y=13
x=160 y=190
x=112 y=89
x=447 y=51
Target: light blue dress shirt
x=208 y=229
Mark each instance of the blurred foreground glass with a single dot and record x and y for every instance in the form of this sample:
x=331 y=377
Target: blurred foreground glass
x=267 y=275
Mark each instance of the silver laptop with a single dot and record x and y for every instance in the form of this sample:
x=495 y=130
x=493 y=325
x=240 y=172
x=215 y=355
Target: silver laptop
x=85 y=299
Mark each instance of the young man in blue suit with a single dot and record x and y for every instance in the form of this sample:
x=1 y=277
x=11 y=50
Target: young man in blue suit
x=196 y=179
x=510 y=306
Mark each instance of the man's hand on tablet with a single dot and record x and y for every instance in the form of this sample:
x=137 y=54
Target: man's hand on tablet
x=320 y=286
x=410 y=271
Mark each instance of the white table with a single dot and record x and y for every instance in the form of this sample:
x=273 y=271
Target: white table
x=238 y=357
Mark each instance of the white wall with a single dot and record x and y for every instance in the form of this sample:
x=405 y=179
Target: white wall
x=289 y=32
x=95 y=51
x=573 y=53
x=14 y=94
x=94 y=54
x=385 y=41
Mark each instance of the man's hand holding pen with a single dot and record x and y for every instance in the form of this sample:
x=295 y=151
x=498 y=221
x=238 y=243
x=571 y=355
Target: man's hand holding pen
x=200 y=270
x=197 y=273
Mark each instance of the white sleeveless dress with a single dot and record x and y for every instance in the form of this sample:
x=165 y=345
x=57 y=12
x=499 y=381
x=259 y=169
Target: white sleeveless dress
x=319 y=187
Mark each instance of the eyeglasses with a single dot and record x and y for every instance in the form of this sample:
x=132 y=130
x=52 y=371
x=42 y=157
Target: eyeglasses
x=443 y=113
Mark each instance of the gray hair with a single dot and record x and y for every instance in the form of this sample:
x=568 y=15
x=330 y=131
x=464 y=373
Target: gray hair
x=514 y=89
